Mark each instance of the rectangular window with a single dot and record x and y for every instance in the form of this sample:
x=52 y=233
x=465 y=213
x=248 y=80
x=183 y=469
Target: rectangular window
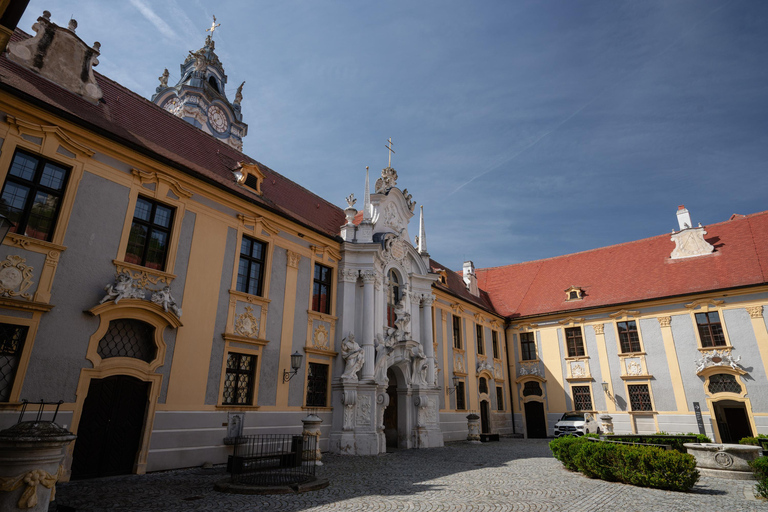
x=628 y=337
x=456 y=331
x=32 y=195
x=321 y=289
x=639 y=397
x=11 y=345
x=239 y=380
x=317 y=385
x=710 y=330
x=495 y=342
x=150 y=234
x=250 y=269
x=527 y=346
x=499 y=398
x=582 y=398
x=574 y=341
x=461 y=403
x=480 y=341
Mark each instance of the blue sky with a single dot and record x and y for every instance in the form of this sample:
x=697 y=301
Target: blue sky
x=527 y=129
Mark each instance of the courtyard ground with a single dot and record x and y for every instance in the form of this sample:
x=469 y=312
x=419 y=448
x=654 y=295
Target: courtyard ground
x=513 y=474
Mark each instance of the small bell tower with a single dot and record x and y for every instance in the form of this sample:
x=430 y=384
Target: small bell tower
x=199 y=97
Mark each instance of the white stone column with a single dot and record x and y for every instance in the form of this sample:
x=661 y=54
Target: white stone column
x=369 y=313
x=427 y=337
x=347 y=279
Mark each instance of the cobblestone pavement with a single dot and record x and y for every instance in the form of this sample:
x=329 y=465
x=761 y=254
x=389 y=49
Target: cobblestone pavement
x=513 y=474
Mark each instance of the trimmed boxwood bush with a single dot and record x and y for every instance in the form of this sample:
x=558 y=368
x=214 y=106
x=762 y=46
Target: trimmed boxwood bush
x=676 y=441
x=754 y=441
x=644 y=466
x=760 y=467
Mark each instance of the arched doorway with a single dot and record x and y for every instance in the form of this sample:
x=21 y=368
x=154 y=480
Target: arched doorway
x=390 y=413
x=110 y=427
x=535 y=423
x=732 y=420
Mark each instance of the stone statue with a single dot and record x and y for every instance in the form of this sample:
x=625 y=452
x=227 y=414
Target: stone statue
x=384 y=346
x=200 y=60
x=163 y=79
x=418 y=366
x=353 y=357
x=402 y=318
x=123 y=288
x=165 y=299
x=239 y=94
x=351 y=200
x=409 y=199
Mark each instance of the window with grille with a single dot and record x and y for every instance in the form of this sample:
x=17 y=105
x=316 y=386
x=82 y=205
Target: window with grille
x=317 y=385
x=532 y=388
x=150 y=234
x=499 y=398
x=527 y=346
x=495 y=343
x=724 y=383
x=250 y=267
x=456 y=331
x=574 y=341
x=321 y=290
x=11 y=345
x=461 y=403
x=628 y=337
x=239 y=379
x=483 y=386
x=480 y=342
x=127 y=337
x=32 y=195
x=639 y=397
x=582 y=398
x=710 y=329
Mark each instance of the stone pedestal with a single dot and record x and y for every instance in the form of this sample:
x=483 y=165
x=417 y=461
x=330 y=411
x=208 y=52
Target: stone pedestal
x=354 y=428
x=30 y=464
x=473 y=428
x=312 y=429
x=606 y=424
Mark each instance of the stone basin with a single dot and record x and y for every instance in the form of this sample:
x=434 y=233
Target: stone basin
x=724 y=460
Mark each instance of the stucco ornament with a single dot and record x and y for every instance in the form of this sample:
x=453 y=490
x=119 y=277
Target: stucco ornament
x=722 y=357
x=246 y=324
x=363 y=416
x=320 y=338
x=485 y=365
x=634 y=368
x=351 y=200
x=690 y=243
x=529 y=369
x=578 y=370
x=353 y=358
x=15 y=277
x=31 y=480
x=164 y=299
x=458 y=363
x=123 y=288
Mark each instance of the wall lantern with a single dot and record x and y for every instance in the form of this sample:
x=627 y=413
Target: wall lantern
x=455 y=380
x=295 y=365
x=605 y=387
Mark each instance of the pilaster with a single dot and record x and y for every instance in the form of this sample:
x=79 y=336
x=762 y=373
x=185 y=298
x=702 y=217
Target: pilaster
x=286 y=332
x=674 y=366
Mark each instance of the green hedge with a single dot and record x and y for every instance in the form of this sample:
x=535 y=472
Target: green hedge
x=755 y=441
x=760 y=467
x=644 y=466
x=676 y=441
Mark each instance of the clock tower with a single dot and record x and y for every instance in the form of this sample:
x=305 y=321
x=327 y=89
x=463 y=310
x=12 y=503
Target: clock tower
x=199 y=97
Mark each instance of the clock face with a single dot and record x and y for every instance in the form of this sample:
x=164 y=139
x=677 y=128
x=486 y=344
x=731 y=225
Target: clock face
x=173 y=105
x=217 y=118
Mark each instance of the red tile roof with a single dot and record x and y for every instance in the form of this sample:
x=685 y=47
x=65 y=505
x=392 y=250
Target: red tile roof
x=633 y=271
x=135 y=121
x=455 y=286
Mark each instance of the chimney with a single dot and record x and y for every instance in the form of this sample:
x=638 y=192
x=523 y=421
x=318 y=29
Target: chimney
x=469 y=277
x=683 y=218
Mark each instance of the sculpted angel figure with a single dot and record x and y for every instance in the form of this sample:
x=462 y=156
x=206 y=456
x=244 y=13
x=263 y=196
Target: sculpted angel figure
x=164 y=299
x=418 y=365
x=353 y=357
x=121 y=289
x=239 y=94
x=164 y=78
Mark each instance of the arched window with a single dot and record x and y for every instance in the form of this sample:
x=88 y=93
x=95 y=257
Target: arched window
x=532 y=388
x=393 y=297
x=212 y=81
x=127 y=337
x=723 y=383
x=483 y=385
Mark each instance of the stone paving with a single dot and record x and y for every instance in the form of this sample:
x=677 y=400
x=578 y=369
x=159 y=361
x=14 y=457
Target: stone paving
x=513 y=474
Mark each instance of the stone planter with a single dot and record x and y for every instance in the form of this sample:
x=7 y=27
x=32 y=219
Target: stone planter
x=30 y=464
x=724 y=460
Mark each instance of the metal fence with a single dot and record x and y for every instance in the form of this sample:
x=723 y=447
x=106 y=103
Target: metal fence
x=272 y=459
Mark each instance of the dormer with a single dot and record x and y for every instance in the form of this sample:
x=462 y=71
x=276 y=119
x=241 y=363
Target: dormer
x=470 y=279
x=689 y=241
x=249 y=176
x=574 y=293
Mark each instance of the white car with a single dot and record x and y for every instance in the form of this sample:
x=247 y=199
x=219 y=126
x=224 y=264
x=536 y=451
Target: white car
x=576 y=424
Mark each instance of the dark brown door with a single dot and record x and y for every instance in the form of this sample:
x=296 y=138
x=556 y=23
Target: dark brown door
x=390 y=417
x=535 y=424
x=110 y=428
x=485 y=420
x=738 y=424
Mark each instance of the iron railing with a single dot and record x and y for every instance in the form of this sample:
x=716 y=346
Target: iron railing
x=272 y=459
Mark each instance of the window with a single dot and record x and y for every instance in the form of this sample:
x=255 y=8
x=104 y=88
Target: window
x=483 y=386
x=32 y=195
x=710 y=330
x=461 y=403
x=321 y=290
x=532 y=388
x=150 y=234
x=11 y=344
x=582 y=398
x=456 y=331
x=574 y=341
x=724 y=383
x=495 y=343
x=393 y=297
x=480 y=342
x=250 y=270
x=639 y=397
x=127 y=337
x=527 y=346
x=499 y=398
x=573 y=295
x=317 y=385
x=239 y=379
x=628 y=337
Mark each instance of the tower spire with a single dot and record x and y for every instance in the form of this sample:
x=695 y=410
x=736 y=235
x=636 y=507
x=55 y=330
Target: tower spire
x=367 y=199
x=422 y=233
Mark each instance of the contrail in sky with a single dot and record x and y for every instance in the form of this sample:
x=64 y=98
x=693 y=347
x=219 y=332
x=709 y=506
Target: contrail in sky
x=153 y=18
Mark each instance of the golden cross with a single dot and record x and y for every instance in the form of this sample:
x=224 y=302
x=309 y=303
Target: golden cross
x=389 y=147
x=213 y=25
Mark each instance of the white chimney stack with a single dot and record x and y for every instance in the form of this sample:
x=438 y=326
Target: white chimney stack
x=469 y=277
x=683 y=218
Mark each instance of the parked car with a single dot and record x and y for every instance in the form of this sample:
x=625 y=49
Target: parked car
x=576 y=424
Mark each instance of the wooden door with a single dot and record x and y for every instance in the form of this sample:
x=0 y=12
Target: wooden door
x=485 y=419
x=535 y=423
